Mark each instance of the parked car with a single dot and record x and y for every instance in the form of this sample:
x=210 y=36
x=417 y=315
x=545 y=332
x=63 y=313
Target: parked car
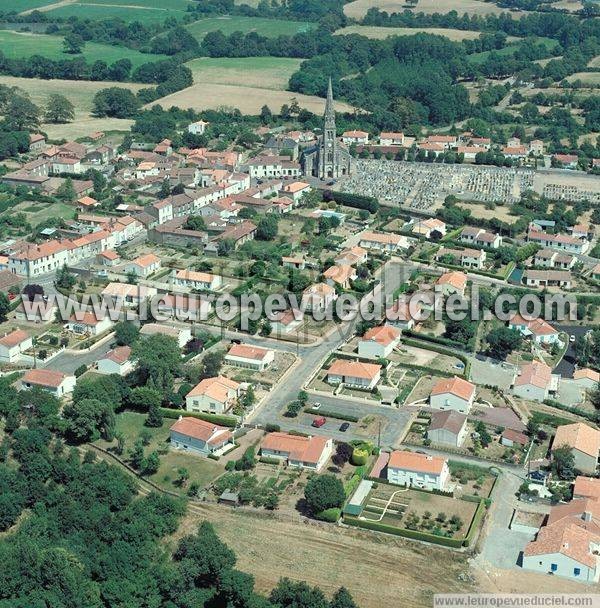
x=344 y=427
x=319 y=422
x=316 y=405
x=572 y=338
x=236 y=341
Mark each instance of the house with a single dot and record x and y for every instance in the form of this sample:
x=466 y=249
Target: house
x=469 y=258
x=116 y=361
x=108 y=258
x=511 y=438
x=586 y=378
x=214 y=395
x=515 y=152
x=85 y=203
x=352 y=256
x=198 y=127
x=536 y=147
x=453 y=393
x=340 y=275
x=596 y=272
x=354 y=373
x=13 y=344
x=37 y=142
x=568 y=544
x=535 y=382
x=452 y=283
x=310 y=452
x=446 y=141
x=181 y=334
x=33 y=260
x=199 y=436
x=540 y=331
x=480 y=237
x=355 y=137
x=297 y=262
x=164 y=148
x=296 y=190
x=143 y=266
x=379 y=341
x=547 y=278
x=469 y=153
x=189 y=279
x=131 y=295
x=562 y=242
x=566 y=161
x=183 y=307
x=56 y=383
x=88 y=324
x=427 y=227
x=387 y=138
x=383 y=241
x=250 y=357
x=549 y=258
x=418 y=470
x=405 y=312
x=284 y=322
x=584 y=442
x=447 y=427
x=318 y=297
x=586 y=487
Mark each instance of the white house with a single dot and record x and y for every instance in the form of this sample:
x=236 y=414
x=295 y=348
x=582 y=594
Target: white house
x=198 y=127
x=379 y=341
x=250 y=357
x=189 y=279
x=214 y=395
x=341 y=275
x=418 y=470
x=383 y=241
x=318 y=297
x=469 y=258
x=303 y=452
x=388 y=138
x=452 y=283
x=452 y=394
x=130 y=295
x=12 y=345
x=143 y=266
x=535 y=382
x=199 y=436
x=285 y=322
x=88 y=324
x=540 y=331
x=56 y=383
x=116 y=361
x=584 y=442
x=427 y=227
x=355 y=137
x=181 y=334
x=447 y=428
x=586 y=378
x=354 y=373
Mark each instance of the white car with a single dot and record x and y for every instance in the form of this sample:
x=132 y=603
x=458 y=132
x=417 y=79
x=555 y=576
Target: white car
x=572 y=338
x=316 y=406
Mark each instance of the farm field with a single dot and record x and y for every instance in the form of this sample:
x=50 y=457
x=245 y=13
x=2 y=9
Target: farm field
x=15 y=45
x=80 y=93
x=246 y=84
x=263 y=72
x=139 y=10
x=595 y=62
x=265 y=27
x=592 y=78
x=358 y=8
x=24 y=5
x=372 y=31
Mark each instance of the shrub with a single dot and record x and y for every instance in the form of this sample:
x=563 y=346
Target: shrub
x=268 y=460
x=229 y=421
x=272 y=428
x=359 y=457
x=330 y=515
x=230 y=466
x=80 y=370
x=324 y=492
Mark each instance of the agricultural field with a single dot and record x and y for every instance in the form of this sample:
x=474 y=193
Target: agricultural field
x=81 y=94
x=24 y=5
x=262 y=72
x=358 y=8
x=379 y=33
x=133 y=10
x=595 y=62
x=265 y=27
x=589 y=78
x=246 y=84
x=15 y=45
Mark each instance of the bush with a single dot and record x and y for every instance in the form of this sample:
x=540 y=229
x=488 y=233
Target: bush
x=324 y=492
x=229 y=421
x=272 y=428
x=330 y=515
x=330 y=414
x=359 y=457
x=269 y=460
x=230 y=466
x=353 y=200
x=80 y=371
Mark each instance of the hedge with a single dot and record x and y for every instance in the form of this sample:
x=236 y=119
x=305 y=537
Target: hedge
x=330 y=414
x=591 y=416
x=357 y=201
x=330 y=515
x=433 y=346
x=229 y=421
x=269 y=460
x=414 y=534
x=479 y=513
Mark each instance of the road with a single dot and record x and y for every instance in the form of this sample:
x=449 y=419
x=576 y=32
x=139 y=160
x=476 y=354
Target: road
x=566 y=366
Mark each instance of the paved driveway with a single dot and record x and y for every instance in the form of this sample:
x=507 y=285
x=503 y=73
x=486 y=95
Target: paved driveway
x=566 y=365
x=491 y=372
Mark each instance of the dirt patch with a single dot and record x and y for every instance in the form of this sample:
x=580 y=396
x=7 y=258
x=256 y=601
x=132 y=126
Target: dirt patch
x=380 y=33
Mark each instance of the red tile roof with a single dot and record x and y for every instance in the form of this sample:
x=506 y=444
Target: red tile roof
x=455 y=386
x=419 y=463
x=201 y=429
x=44 y=377
x=303 y=449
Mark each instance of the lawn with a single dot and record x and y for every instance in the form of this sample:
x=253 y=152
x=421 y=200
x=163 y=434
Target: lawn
x=262 y=72
x=145 y=11
x=271 y=28
x=36 y=213
x=202 y=470
x=15 y=45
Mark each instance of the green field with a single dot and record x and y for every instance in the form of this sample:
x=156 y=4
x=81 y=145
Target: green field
x=145 y=11
x=22 y=5
x=264 y=72
x=16 y=45
x=265 y=27
x=510 y=49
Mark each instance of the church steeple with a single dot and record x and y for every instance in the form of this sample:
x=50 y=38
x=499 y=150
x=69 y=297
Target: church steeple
x=329 y=109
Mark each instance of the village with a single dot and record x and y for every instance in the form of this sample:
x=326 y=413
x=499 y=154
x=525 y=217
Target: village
x=410 y=424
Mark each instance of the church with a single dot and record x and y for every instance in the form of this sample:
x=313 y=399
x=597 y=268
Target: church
x=328 y=158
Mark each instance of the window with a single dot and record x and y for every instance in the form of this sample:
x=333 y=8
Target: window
x=554 y=567
x=576 y=571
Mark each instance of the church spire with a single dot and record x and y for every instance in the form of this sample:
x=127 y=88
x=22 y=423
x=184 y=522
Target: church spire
x=329 y=109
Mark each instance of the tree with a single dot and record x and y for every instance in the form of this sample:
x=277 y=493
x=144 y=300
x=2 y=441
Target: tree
x=115 y=103
x=158 y=359
x=126 y=333
x=144 y=398
x=155 y=417
x=195 y=222
x=484 y=436
x=342 y=599
x=266 y=116
x=59 y=109
x=292 y=594
x=183 y=476
x=73 y=43
x=324 y=492
x=20 y=112
x=225 y=246
x=88 y=418
x=212 y=363
x=4 y=307
x=563 y=463
x=151 y=464
x=502 y=341
x=595 y=396
x=266 y=229
x=65 y=279
x=66 y=191
x=32 y=290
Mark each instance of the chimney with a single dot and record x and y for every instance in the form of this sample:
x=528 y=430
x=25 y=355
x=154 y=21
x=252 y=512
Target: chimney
x=587 y=516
